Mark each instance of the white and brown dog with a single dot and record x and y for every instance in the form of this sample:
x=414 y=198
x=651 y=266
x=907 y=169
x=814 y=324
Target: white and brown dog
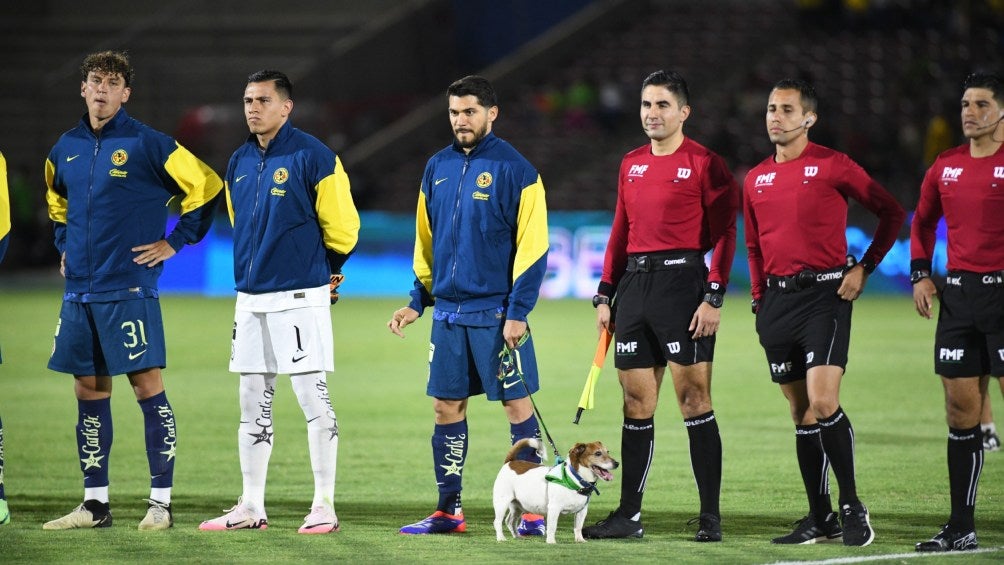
x=522 y=486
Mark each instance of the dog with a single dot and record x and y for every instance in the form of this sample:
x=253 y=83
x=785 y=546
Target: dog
x=522 y=486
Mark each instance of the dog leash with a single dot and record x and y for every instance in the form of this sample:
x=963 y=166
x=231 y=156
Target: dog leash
x=509 y=365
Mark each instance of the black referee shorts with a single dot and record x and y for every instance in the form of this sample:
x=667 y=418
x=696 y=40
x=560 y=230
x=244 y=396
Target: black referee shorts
x=803 y=329
x=653 y=316
x=969 y=341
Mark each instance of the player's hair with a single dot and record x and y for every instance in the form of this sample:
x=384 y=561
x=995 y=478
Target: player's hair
x=109 y=63
x=671 y=81
x=988 y=81
x=806 y=92
x=477 y=86
x=282 y=84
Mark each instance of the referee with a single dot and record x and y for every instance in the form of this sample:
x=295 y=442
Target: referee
x=676 y=200
x=964 y=185
x=795 y=212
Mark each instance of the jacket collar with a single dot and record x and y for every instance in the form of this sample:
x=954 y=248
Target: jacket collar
x=284 y=133
x=482 y=146
x=116 y=122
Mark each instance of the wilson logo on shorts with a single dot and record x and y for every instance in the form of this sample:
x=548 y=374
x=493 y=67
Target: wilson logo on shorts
x=484 y=180
x=280 y=175
x=119 y=157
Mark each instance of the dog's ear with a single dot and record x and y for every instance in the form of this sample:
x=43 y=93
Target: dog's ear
x=579 y=449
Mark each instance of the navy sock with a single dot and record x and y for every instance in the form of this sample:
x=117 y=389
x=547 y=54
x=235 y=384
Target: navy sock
x=815 y=469
x=637 y=446
x=526 y=429
x=837 y=437
x=158 y=423
x=2 y=495
x=965 y=463
x=449 y=451
x=706 y=459
x=94 y=440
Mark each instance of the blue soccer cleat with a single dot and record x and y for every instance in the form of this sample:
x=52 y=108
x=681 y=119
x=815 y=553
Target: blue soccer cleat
x=438 y=523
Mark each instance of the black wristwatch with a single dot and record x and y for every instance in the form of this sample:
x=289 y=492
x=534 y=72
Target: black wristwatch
x=919 y=275
x=600 y=299
x=714 y=298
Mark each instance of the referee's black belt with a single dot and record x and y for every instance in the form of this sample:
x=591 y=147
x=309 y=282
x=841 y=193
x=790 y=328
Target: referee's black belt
x=803 y=280
x=666 y=261
x=967 y=278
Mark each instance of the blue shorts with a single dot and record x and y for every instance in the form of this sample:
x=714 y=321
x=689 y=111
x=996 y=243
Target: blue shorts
x=464 y=362
x=108 y=338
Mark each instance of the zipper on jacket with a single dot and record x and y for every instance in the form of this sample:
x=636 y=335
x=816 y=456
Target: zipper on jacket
x=90 y=194
x=254 y=217
x=456 y=216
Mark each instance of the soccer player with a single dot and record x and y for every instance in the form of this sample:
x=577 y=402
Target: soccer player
x=676 y=200
x=480 y=258
x=295 y=224
x=4 y=240
x=963 y=186
x=796 y=220
x=109 y=179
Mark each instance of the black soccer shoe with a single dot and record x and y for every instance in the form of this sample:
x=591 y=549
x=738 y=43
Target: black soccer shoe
x=709 y=528
x=857 y=526
x=807 y=531
x=950 y=539
x=616 y=525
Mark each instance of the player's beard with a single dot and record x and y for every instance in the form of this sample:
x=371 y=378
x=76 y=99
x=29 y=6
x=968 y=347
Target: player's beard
x=476 y=139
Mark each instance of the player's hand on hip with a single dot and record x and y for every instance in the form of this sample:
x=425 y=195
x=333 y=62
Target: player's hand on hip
x=853 y=284
x=401 y=318
x=333 y=284
x=153 y=254
x=512 y=332
x=924 y=292
x=705 y=321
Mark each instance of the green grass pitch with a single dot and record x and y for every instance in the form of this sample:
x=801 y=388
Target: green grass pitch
x=384 y=472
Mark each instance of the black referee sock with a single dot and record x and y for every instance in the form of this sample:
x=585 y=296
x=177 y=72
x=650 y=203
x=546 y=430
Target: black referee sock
x=965 y=462
x=706 y=459
x=637 y=446
x=837 y=437
x=815 y=468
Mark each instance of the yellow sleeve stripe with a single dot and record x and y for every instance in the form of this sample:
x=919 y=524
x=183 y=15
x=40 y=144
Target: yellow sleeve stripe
x=531 y=228
x=423 y=244
x=230 y=203
x=4 y=199
x=336 y=212
x=199 y=182
x=57 y=204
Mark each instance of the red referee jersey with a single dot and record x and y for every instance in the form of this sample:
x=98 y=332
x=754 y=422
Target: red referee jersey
x=969 y=193
x=796 y=213
x=684 y=201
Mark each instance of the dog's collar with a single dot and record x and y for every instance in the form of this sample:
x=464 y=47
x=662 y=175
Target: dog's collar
x=569 y=479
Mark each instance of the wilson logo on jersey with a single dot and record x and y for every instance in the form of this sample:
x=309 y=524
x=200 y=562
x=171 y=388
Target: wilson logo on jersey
x=999 y=172
x=682 y=173
x=280 y=175
x=119 y=157
x=637 y=170
x=951 y=174
x=811 y=171
x=484 y=180
x=765 y=180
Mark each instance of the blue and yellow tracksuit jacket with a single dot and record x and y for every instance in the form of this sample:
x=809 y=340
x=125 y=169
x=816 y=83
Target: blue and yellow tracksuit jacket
x=481 y=232
x=4 y=208
x=292 y=211
x=108 y=193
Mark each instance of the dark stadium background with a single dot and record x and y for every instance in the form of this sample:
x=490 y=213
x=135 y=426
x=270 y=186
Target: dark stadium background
x=369 y=78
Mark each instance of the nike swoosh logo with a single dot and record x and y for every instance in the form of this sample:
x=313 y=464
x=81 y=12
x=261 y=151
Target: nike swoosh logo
x=440 y=181
x=135 y=355
x=239 y=179
x=68 y=159
x=312 y=419
x=298 y=359
x=510 y=385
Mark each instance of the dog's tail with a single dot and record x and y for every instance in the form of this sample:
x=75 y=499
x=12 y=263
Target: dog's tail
x=522 y=444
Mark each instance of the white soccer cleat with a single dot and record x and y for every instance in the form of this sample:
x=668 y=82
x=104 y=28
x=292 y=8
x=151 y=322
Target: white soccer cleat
x=158 y=516
x=321 y=520
x=240 y=517
x=90 y=514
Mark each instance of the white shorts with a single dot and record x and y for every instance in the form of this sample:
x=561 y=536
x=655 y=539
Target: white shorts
x=291 y=341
